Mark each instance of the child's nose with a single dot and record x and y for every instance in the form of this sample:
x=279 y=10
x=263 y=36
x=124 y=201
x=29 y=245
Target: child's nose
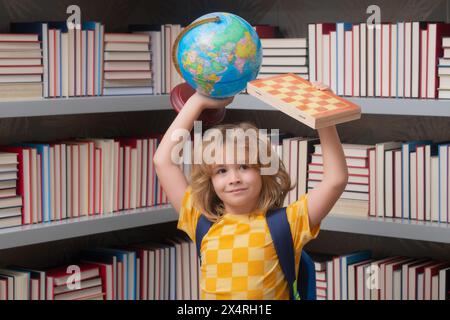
x=235 y=176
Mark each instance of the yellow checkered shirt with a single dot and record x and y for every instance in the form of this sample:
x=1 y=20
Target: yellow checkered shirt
x=239 y=260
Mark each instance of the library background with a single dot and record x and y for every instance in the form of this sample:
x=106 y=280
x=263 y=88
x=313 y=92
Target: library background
x=77 y=182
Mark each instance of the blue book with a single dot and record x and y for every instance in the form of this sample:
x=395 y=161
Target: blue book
x=347 y=260
x=407 y=148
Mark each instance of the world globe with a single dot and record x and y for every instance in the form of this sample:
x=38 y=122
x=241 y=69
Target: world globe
x=218 y=54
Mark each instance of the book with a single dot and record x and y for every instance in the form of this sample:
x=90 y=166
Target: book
x=299 y=99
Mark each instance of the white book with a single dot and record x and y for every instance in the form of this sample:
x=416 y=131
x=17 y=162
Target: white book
x=52 y=184
x=284 y=43
x=289 y=52
x=420 y=191
x=334 y=62
x=380 y=181
x=284 y=61
x=319 y=52
x=443 y=182
x=326 y=58
x=133 y=191
x=35 y=200
x=340 y=39
x=397 y=183
x=312 y=51
x=400 y=71
x=58 y=63
x=397 y=285
x=356 y=61
x=348 y=63
x=423 y=63
x=378 y=60
x=431 y=69
x=363 y=59
x=389 y=182
x=415 y=62
x=372 y=183
x=65 y=64
x=434 y=189
x=443 y=273
x=370 y=60
x=408 y=59
x=413 y=185
x=385 y=61
x=427 y=183
x=393 y=64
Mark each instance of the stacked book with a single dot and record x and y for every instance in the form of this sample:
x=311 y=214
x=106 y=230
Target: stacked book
x=359 y=276
x=165 y=76
x=444 y=70
x=354 y=200
x=127 y=64
x=385 y=60
x=63 y=284
x=11 y=184
x=284 y=55
x=20 y=66
x=320 y=266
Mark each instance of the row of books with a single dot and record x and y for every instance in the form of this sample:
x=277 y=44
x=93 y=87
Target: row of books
x=166 y=270
x=284 y=55
x=20 y=66
x=360 y=276
x=395 y=179
x=67 y=179
x=383 y=60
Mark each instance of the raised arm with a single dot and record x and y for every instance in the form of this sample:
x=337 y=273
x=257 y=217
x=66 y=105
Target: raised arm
x=335 y=176
x=170 y=175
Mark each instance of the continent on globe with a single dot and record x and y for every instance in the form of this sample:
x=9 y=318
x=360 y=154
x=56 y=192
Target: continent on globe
x=218 y=58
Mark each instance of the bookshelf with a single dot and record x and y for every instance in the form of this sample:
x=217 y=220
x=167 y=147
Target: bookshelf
x=89 y=225
x=83 y=226
x=243 y=102
x=292 y=19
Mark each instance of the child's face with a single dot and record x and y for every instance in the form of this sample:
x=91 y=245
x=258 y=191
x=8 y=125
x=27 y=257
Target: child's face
x=238 y=186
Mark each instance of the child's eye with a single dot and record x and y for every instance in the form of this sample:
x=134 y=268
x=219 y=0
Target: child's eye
x=244 y=167
x=220 y=171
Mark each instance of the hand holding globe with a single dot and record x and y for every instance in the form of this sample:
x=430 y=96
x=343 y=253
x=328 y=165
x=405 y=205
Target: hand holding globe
x=217 y=55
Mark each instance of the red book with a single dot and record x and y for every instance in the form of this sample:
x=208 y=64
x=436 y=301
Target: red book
x=266 y=31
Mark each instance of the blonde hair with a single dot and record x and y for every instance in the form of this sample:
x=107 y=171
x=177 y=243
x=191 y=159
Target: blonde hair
x=274 y=187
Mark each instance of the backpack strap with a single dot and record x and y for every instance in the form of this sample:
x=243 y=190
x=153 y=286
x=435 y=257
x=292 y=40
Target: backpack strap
x=284 y=246
x=203 y=226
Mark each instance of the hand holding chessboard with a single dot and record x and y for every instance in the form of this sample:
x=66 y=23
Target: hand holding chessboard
x=302 y=101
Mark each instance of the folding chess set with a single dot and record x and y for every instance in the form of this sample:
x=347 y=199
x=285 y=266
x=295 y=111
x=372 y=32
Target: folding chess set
x=299 y=99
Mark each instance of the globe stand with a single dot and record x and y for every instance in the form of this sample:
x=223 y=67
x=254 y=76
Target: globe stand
x=181 y=93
